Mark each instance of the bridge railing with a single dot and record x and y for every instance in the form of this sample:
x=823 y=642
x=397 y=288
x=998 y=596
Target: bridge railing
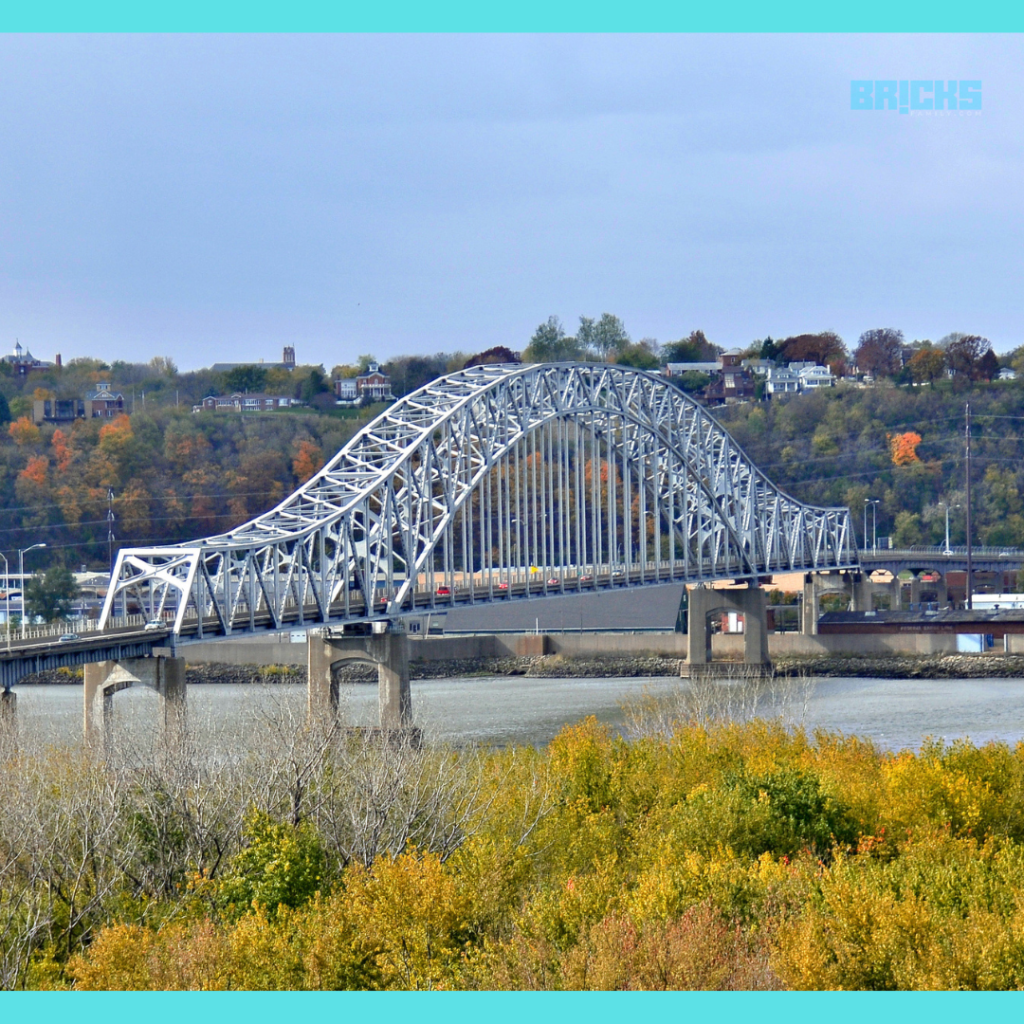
x=956 y=550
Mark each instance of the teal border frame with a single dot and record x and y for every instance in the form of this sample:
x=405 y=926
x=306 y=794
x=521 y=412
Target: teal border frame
x=524 y=16
x=462 y=16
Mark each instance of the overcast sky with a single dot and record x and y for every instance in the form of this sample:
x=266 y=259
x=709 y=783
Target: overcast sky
x=213 y=198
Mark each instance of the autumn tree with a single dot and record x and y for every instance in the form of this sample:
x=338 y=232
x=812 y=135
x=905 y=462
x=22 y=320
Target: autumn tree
x=903 y=448
x=24 y=431
x=880 y=352
x=927 y=365
x=308 y=460
x=695 y=348
x=825 y=348
x=965 y=353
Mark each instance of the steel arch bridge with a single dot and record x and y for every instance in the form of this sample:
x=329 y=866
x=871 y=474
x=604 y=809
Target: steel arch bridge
x=495 y=483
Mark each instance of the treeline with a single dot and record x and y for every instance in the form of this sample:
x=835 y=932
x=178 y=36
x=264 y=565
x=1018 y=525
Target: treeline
x=715 y=856
x=168 y=475
x=904 y=446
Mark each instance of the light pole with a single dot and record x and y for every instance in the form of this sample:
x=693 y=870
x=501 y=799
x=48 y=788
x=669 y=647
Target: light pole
x=21 y=573
x=948 y=550
x=874 y=503
x=7 y=596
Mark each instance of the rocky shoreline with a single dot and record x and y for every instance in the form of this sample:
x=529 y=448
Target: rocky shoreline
x=554 y=666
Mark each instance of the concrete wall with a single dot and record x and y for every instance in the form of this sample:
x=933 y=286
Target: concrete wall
x=271 y=651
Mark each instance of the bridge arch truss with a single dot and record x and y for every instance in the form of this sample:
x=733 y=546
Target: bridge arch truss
x=493 y=483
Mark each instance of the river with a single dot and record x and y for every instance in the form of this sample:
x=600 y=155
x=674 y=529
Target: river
x=894 y=713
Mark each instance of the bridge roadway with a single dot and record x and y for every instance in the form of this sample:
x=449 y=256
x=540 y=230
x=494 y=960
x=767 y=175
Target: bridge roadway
x=936 y=559
x=26 y=657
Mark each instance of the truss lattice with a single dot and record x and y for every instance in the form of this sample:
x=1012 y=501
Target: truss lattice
x=492 y=484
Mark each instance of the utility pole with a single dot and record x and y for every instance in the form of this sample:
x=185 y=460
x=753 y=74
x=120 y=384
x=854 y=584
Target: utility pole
x=110 y=531
x=970 y=561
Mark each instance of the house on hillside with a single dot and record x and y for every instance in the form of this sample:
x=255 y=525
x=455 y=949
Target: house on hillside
x=374 y=385
x=22 y=362
x=239 y=402
x=103 y=403
x=782 y=381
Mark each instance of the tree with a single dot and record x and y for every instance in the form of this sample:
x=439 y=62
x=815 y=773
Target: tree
x=988 y=366
x=693 y=349
x=50 y=596
x=315 y=384
x=880 y=351
x=251 y=379
x=903 y=448
x=24 y=431
x=769 y=349
x=927 y=364
x=5 y=410
x=825 y=348
x=964 y=354
x=550 y=344
x=642 y=355
x=498 y=355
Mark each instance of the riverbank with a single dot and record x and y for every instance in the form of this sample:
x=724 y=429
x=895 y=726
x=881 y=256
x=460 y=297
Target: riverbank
x=557 y=666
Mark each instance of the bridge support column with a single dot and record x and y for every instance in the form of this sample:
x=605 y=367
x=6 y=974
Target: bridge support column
x=388 y=651
x=8 y=721
x=322 y=691
x=809 y=610
x=752 y=603
x=394 y=694
x=104 y=678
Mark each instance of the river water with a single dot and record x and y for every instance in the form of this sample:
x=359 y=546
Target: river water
x=894 y=713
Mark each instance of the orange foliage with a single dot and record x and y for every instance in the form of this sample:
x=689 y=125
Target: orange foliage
x=115 y=433
x=903 y=448
x=24 y=431
x=308 y=460
x=61 y=449
x=35 y=470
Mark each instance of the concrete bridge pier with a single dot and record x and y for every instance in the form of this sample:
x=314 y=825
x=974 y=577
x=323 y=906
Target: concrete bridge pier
x=8 y=720
x=751 y=603
x=105 y=678
x=388 y=651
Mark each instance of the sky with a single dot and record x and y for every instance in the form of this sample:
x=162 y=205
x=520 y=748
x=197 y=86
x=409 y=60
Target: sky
x=216 y=197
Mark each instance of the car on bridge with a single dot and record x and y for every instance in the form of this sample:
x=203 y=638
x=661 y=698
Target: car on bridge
x=154 y=624
x=443 y=591
x=66 y=638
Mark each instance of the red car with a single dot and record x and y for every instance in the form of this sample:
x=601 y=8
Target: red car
x=443 y=592
x=553 y=582
x=503 y=586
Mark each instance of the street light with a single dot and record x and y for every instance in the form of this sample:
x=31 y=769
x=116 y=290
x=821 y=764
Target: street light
x=21 y=572
x=874 y=503
x=948 y=550
x=7 y=596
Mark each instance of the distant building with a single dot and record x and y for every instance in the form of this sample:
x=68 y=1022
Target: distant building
x=22 y=362
x=287 y=362
x=103 y=403
x=782 y=381
x=374 y=385
x=345 y=389
x=733 y=384
x=813 y=377
x=678 y=369
x=1006 y=374
x=239 y=402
